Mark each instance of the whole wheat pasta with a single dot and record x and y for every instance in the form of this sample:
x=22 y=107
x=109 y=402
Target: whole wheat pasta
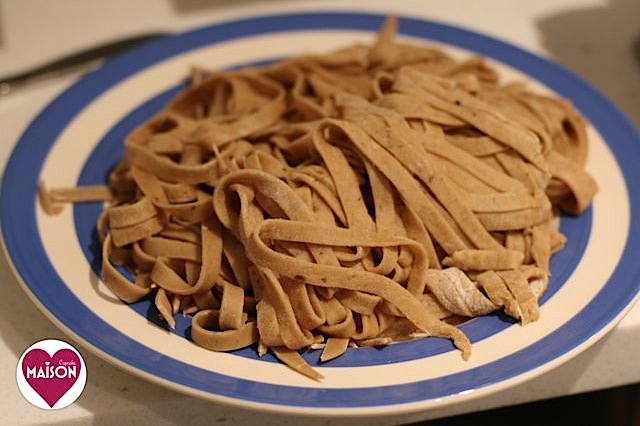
x=356 y=198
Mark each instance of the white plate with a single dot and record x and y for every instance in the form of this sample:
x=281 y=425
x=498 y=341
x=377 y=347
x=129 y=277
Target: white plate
x=78 y=137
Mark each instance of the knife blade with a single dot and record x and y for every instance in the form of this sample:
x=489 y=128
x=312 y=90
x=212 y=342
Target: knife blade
x=73 y=62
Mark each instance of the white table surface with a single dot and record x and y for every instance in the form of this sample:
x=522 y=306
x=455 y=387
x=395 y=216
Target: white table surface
x=598 y=40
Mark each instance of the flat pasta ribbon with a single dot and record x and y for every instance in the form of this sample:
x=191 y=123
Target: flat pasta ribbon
x=367 y=196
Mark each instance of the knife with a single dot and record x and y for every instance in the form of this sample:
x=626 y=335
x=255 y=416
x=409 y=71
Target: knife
x=73 y=62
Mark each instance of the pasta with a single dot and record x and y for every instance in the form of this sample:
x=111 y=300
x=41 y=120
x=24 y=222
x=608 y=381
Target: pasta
x=362 y=197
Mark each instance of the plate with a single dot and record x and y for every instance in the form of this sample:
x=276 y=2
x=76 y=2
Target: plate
x=78 y=137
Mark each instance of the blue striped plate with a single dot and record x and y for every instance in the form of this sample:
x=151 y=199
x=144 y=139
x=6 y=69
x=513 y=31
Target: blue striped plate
x=79 y=135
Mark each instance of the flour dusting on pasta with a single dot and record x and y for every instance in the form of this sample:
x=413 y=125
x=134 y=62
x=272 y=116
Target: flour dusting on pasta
x=367 y=196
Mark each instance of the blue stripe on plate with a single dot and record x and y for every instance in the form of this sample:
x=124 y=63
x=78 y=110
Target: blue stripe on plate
x=28 y=256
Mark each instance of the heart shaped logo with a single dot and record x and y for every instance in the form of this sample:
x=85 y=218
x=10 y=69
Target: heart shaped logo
x=54 y=370
x=51 y=376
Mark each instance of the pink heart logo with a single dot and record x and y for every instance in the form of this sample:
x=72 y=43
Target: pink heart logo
x=51 y=376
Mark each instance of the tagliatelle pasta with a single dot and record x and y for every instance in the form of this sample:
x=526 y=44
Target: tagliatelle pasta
x=362 y=197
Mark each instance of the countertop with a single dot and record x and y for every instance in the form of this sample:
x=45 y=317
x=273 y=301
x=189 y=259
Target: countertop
x=598 y=40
